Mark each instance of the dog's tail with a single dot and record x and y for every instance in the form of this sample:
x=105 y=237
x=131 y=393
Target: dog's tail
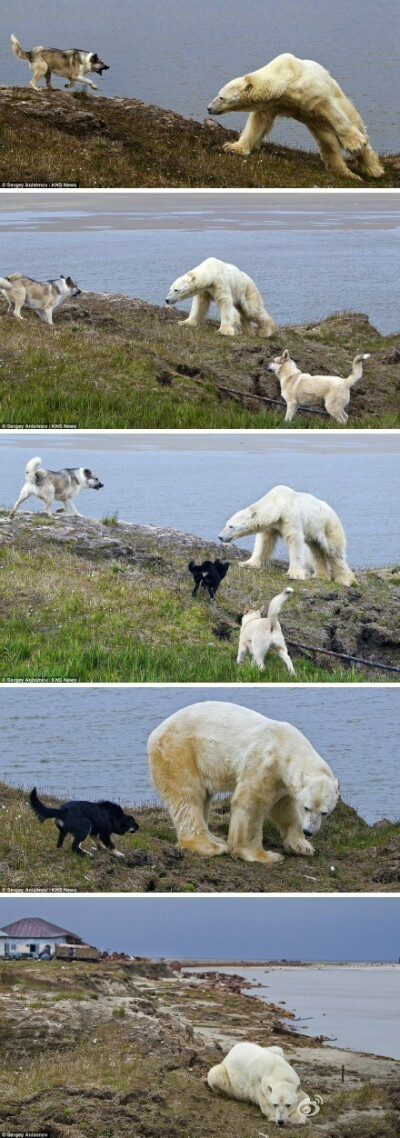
x=5 y=283
x=31 y=467
x=357 y=368
x=18 y=50
x=275 y=607
x=42 y=811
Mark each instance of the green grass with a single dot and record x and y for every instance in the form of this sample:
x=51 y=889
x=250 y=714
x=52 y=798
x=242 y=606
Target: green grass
x=67 y=614
x=142 y=370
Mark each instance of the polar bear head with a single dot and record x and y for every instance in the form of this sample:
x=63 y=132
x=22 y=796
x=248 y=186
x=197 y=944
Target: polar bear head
x=283 y=1098
x=254 y=518
x=315 y=800
x=238 y=95
x=182 y=288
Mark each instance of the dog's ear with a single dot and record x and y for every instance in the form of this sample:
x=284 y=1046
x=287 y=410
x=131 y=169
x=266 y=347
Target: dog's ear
x=87 y=473
x=94 y=57
x=285 y=354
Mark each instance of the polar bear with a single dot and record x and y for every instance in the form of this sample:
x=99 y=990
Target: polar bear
x=301 y=89
x=261 y=1075
x=269 y=767
x=313 y=533
x=234 y=292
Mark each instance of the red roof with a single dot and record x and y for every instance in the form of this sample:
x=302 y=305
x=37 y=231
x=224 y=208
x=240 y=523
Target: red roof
x=37 y=929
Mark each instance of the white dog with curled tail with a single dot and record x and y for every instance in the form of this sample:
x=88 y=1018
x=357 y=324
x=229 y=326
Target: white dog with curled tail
x=260 y=634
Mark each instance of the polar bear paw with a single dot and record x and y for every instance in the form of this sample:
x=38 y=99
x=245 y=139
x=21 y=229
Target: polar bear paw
x=235 y=148
x=300 y=847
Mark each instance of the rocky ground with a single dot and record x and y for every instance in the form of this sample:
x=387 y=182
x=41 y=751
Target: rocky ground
x=85 y=140
x=142 y=369
x=350 y=856
x=99 y=1049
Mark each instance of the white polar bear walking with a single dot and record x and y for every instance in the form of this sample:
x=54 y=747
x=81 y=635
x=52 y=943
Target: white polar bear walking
x=263 y=1076
x=269 y=767
x=234 y=292
x=311 y=530
x=300 y=89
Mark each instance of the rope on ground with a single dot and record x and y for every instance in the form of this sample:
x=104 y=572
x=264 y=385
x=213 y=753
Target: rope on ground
x=252 y=395
x=343 y=656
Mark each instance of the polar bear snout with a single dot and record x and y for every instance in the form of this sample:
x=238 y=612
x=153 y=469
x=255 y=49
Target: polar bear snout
x=216 y=107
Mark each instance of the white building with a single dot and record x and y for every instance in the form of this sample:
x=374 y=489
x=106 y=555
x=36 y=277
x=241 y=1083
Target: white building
x=31 y=936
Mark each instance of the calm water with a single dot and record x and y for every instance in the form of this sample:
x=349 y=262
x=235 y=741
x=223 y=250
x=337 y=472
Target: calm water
x=92 y=742
x=178 y=55
x=348 y=259
x=144 y=479
x=357 y=1008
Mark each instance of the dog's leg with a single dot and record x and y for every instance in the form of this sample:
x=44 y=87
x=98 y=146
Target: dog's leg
x=291 y=408
x=49 y=84
x=196 y=588
x=334 y=407
x=45 y=315
x=39 y=72
x=79 y=837
x=264 y=546
x=245 y=838
x=107 y=843
x=26 y=492
x=83 y=79
x=285 y=816
x=329 y=148
x=243 y=649
x=258 y=125
x=62 y=833
x=71 y=509
x=284 y=655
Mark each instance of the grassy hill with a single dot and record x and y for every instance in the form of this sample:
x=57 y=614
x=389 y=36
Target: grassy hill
x=110 y=601
x=110 y=361
x=84 y=140
x=364 y=858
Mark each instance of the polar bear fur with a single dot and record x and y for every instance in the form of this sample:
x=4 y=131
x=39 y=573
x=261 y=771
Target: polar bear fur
x=269 y=767
x=300 y=89
x=263 y=1076
x=311 y=530
x=234 y=292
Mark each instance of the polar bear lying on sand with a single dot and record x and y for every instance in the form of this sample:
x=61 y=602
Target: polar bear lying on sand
x=269 y=767
x=311 y=530
x=261 y=1075
x=300 y=89
x=235 y=293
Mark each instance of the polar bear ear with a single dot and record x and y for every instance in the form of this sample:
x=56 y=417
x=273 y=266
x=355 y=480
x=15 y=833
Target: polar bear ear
x=253 y=514
x=248 y=85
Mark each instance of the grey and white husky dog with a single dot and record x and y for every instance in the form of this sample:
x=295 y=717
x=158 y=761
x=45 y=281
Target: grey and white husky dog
x=56 y=485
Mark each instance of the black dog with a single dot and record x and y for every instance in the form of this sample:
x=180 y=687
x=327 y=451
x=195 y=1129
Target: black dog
x=100 y=819
x=209 y=575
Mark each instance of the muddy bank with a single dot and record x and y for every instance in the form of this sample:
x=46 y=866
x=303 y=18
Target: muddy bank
x=114 y=1046
x=87 y=140
x=350 y=856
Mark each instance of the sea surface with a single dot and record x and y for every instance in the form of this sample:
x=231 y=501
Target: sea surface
x=357 y=1008
x=309 y=259
x=91 y=742
x=178 y=55
x=166 y=480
